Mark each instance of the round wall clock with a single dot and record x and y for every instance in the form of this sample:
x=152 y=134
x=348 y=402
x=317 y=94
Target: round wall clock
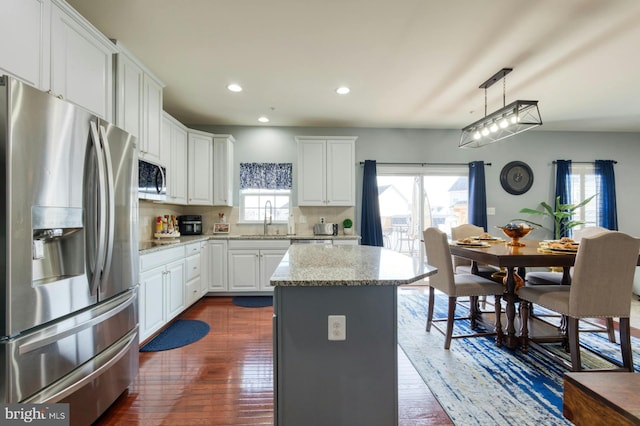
x=516 y=177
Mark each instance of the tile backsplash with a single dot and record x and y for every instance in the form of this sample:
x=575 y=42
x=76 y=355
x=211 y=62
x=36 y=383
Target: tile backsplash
x=305 y=218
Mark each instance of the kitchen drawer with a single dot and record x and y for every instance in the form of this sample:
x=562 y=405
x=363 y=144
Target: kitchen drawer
x=161 y=257
x=261 y=244
x=193 y=267
x=193 y=248
x=192 y=291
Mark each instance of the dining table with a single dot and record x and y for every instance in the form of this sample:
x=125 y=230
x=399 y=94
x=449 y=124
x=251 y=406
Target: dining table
x=514 y=259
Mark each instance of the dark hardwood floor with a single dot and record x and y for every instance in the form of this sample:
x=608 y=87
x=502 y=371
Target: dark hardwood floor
x=227 y=377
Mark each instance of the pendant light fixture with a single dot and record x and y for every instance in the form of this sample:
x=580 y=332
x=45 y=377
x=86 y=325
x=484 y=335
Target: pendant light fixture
x=509 y=120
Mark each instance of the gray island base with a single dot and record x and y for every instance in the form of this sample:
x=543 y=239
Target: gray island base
x=335 y=334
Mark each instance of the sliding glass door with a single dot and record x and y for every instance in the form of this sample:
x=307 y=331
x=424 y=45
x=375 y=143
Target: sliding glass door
x=415 y=198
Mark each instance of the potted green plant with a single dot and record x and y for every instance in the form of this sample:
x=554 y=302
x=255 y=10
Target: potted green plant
x=562 y=216
x=347 y=225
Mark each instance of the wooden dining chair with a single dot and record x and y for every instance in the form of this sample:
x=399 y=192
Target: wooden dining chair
x=457 y=285
x=601 y=288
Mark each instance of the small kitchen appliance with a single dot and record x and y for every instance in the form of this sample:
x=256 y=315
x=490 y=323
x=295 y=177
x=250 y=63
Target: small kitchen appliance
x=325 y=229
x=190 y=225
x=152 y=181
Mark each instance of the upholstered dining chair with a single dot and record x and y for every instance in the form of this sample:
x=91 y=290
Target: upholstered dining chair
x=457 y=285
x=601 y=288
x=462 y=265
x=555 y=278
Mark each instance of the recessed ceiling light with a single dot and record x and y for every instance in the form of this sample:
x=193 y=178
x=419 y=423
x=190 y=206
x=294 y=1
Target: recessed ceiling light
x=342 y=90
x=234 y=87
x=263 y=119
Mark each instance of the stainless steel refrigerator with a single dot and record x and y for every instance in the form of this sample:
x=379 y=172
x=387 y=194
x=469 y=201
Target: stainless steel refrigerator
x=68 y=254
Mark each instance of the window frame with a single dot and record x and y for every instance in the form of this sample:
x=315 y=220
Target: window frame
x=580 y=175
x=453 y=170
x=272 y=194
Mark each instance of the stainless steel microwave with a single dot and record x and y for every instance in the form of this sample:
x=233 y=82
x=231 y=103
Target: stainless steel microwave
x=152 y=181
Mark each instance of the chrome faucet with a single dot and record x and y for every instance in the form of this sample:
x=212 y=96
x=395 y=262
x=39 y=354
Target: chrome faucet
x=268 y=203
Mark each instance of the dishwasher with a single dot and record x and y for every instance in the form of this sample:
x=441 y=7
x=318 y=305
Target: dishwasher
x=312 y=241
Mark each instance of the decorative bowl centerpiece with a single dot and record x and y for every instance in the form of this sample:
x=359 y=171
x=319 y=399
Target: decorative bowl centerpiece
x=515 y=231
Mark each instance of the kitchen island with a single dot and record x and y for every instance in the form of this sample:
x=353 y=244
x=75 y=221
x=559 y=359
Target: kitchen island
x=335 y=334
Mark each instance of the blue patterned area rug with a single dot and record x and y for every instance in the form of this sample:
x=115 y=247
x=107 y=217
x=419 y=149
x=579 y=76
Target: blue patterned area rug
x=478 y=383
x=181 y=332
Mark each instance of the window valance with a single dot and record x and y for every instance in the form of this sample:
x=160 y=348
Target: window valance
x=266 y=175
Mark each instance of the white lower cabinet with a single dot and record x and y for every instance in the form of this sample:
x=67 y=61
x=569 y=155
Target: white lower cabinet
x=252 y=262
x=174 y=285
x=269 y=261
x=162 y=289
x=151 y=302
x=174 y=278
x=217 y=269
x=244 y=270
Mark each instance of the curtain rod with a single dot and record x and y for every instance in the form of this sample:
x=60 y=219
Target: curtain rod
x=423 y=164
x=584 y=162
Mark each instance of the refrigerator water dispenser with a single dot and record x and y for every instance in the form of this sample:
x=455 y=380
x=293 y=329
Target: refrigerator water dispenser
x=58 y=244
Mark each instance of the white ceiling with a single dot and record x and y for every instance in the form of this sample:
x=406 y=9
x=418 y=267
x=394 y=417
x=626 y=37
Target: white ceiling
x=409 y=63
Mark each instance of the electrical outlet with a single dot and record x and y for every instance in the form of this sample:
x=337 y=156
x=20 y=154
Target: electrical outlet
x=321 y=219
x=337 y=327
x=302 y=219
x=491 y=211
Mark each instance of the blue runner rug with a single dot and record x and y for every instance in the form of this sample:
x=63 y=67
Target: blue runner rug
x=478 y=383
x=253 y=301
x=180 y=333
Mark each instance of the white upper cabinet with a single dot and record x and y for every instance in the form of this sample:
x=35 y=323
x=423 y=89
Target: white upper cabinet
x=48 y=45
x=128 y=94
x=81 y=61
x=326 y=171
x=223 y=170
x=139 y=106
x=200 y=168
x=174 y=135
x=150 y=146
x=24 y=31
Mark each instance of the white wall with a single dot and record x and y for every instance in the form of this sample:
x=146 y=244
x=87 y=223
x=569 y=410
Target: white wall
x=537 y=148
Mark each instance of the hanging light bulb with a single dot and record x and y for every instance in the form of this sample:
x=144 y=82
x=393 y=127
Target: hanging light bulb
x=477 y=135
x=494 y=127
x=485 y=131
x=504 y=123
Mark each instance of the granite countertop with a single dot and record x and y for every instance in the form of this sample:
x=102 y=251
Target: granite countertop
x=350 y=265
x=151 y=246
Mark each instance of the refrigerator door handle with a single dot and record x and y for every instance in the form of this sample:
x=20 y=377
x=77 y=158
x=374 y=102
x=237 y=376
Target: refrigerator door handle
x=99 y=257
x=111 y=210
